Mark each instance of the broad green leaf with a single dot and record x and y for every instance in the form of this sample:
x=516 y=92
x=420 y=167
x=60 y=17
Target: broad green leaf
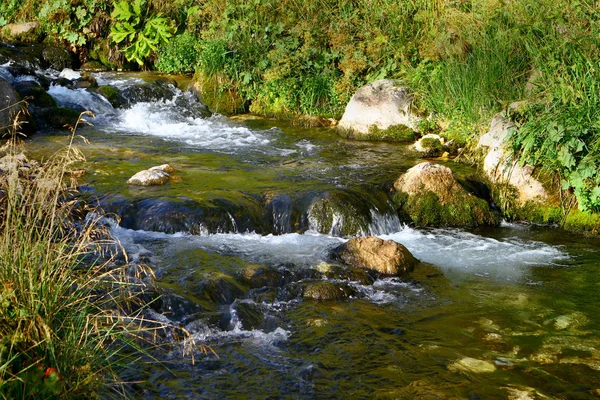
x=122 y=11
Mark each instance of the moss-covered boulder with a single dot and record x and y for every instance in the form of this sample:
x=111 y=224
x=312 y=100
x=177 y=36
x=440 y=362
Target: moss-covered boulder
x=339 y=213
x=57 y=58
x=58 y=118
x=113 y=95
x=385 y=257
x=327 y=291
x=218 y=94
x=36 y=94
x=429 y=195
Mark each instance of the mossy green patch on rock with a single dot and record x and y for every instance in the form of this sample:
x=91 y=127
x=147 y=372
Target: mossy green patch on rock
x=219 y=94
x=395 y=133
x=60 y=117
x=340 y=213
x=426 y=209
x=429 y=195
x=113 y=95
x=432 y=147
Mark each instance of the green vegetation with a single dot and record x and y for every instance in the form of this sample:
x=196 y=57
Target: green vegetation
x=395 y=133
x=67 y=314
x=426 y=209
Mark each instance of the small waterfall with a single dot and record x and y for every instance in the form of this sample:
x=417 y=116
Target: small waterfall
x=81 y=100
x=384 y=223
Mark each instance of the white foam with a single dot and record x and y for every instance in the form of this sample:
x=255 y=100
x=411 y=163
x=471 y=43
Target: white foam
x=453 y=249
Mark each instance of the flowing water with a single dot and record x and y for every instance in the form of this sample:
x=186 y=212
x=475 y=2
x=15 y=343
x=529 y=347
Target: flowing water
x=247 y=226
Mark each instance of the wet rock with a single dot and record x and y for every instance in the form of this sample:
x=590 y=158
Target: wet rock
x=327 y=291
x=383 y=256
x=217 y=289
x=57 y=58
x=36 y=93
x=339 y=213
x=501 y=167
x=378 y=105
x=93 y=66
x=58 y=118
x=472 y=365
x=430 y=145
x=8 y=108
x=150 y=177
x=430 y=196
x=352 y=274
x=147 y=92
x=250 y=314
x=113 y=95
x=570 y=321
x=257 y=276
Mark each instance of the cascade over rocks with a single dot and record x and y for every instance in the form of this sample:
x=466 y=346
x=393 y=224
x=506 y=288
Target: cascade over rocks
x=154 y=176
x=501 y=167
x=383 y=256
x=378 y=106
x=429 y=195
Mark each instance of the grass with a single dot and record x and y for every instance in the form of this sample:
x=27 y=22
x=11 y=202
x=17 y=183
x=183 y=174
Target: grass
x=68 y=317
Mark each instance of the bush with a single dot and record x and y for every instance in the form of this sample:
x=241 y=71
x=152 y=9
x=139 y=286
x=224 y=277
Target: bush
x=179 y=54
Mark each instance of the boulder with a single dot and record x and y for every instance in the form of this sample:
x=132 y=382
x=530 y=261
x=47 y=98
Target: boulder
x=501 y=167
x=429 y=195
x=23 y=32
x=327 y=291
x=57 y=58
x=8 y=108
x=153 y=176
x=383 y=256
x=377 y=107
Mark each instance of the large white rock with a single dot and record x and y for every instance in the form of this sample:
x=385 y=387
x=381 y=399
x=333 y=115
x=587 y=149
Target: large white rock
x=13 y=30
x=382 y=104
x=151 y=177
x=501 y=167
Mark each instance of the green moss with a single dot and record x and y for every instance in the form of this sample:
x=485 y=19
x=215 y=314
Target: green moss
x=219 y=94
x=432 y=146
x=425 y=209
x=113 y=95
x=38 y=96
x=61 y=117
x=351 y=213
x=395 y=133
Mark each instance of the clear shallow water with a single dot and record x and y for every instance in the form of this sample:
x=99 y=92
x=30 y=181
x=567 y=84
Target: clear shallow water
x=522 y=300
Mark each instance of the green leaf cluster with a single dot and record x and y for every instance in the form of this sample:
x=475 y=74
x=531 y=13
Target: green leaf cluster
x=137 y=31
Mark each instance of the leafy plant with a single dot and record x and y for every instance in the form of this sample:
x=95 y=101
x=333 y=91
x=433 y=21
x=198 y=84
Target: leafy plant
x=179 y=55
x=138 y=30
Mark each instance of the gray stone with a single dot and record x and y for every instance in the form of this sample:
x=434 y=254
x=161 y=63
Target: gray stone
x=501 y=167
x=8 y=108
x=380 y=104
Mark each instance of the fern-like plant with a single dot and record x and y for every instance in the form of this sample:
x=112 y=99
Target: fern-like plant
x=137 y=30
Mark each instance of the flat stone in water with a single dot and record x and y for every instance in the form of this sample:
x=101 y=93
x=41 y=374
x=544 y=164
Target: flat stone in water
x=473 y=365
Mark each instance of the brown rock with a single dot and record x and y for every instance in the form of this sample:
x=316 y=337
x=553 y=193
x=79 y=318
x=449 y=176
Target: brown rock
x=384 y=256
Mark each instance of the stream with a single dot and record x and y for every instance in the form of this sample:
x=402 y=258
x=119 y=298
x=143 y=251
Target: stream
x=247 y=226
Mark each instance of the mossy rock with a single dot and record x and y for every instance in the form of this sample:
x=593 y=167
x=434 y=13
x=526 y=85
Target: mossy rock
x=327 y=291
x=340 y=213
x=219 y=94
x=37 y=94
x=426 y=209
x=26 y=32
x=432 y=147
x=395 y=133
x=93 y=66
x=429 y=195
x=101 y=52
x=57 y=58
x=113 y=95
x=60 y=118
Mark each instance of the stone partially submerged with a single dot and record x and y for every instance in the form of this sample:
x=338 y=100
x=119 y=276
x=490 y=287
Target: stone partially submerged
x=429 y=195
x=385 y=257
x=151 y=177
x=379 y=107
x=501 y=167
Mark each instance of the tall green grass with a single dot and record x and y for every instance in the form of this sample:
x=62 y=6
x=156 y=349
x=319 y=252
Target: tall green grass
x=64 y=329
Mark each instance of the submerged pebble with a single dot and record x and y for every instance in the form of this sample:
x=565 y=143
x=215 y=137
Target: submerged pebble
x=473 y=365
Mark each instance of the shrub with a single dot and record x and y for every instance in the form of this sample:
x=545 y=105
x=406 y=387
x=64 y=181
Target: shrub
x=179 y=54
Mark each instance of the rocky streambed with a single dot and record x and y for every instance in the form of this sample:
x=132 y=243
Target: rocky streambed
x=244 y=236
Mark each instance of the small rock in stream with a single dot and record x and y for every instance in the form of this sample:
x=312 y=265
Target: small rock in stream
x=472 y=365
x=151 y=177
